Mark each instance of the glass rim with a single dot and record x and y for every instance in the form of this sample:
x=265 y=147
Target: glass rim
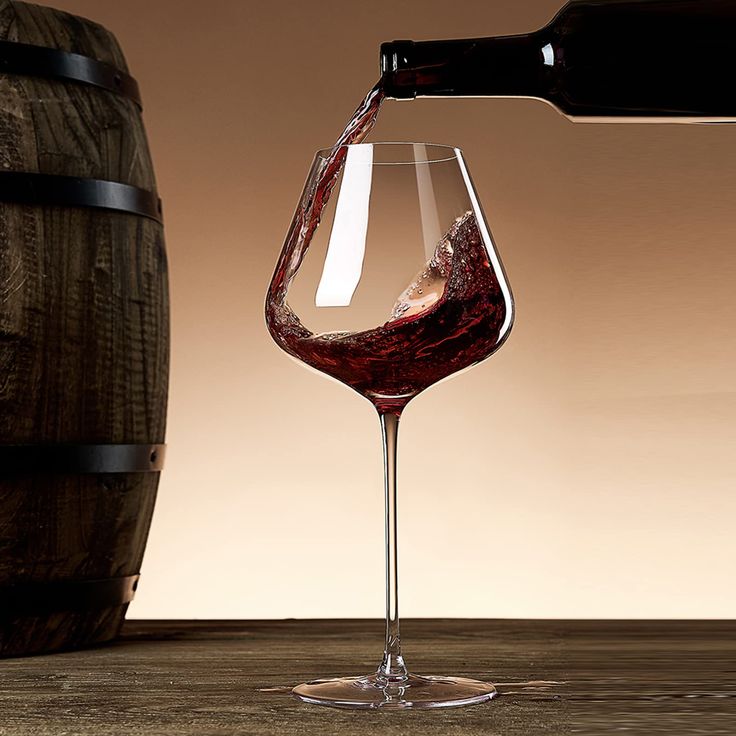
x=450 y=153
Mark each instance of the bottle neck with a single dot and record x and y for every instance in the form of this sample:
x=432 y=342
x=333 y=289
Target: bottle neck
x=505 y=66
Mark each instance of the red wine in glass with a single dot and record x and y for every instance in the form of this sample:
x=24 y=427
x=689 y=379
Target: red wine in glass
x=457 y=324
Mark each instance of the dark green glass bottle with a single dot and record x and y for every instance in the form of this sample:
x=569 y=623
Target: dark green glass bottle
x=597 y=59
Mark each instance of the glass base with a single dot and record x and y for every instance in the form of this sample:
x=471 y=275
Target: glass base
x=413 y=692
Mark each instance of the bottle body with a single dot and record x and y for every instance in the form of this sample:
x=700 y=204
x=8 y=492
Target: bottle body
x=597 y=59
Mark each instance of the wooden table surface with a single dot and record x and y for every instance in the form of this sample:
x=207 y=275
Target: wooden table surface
x=232 y=677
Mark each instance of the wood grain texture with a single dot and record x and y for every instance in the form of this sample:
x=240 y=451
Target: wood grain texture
x=232 y=678
x=84 y=330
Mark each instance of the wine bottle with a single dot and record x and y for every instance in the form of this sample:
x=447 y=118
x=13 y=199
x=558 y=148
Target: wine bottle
x=597 y=60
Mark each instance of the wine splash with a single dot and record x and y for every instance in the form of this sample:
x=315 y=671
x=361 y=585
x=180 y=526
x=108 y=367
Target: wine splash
x=448 y=319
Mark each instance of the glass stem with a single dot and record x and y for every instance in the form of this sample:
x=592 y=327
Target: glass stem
x=392 y=667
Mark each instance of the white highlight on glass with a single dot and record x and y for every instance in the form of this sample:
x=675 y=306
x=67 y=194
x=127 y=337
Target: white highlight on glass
x=548 y=54
x=488 y=240
x=346 y=249
x=427 y=201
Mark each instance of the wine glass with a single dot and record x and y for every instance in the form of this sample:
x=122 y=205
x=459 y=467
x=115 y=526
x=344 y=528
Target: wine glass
x=389 y=281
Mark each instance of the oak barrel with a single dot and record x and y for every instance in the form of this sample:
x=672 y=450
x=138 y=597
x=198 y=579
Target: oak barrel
x=84 y=332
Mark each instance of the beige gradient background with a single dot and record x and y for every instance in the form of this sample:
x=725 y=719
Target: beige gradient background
x=587 y=470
